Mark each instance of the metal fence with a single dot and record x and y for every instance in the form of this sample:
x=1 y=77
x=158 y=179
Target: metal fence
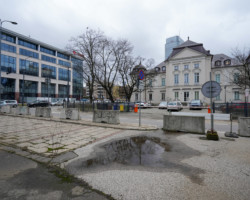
x=237 y=109
x=89 y=107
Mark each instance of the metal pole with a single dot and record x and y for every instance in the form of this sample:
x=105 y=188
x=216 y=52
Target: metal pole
x=140 y=110
x=68 y=90
x=211 y=104
x=23 y=86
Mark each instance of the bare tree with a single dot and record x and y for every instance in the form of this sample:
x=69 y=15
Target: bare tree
x=87 y=46
x=111 y=56
x=243 y=77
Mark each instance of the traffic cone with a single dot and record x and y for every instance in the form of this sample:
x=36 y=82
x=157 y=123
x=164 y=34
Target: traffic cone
x=208 y=110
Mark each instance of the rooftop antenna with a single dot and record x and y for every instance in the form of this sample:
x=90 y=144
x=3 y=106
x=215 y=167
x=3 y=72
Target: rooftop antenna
x=188 y=37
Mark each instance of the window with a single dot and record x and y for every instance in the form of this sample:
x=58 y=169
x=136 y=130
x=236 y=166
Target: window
x=227 y=62
x=186 y=96
x=64 y=63
x=164 y=68
x=48 y=71
x=217 y=78
x=163 y=81
x=61 y=55
x=217 y=97
x=30 y=88
x=176 y=95
x=236 y=77
x=48 y=59
x=48 y=51
x=64 y=74
x=9 y=48
x=157 y=69
x=27 y=44
x=8 y=38
x=196 y=95
x=218 y=63
x=28 y=67
x=136 y=97
x=163 y=96
x=196 y=65
x=150 y=83
x=176 y=79
x=28 y=53
x=186 y=66
x=62 y=90
x=176 y=68
x=150 y=97
x=48 y=90
x=8 y=62
x=236 y=95
x=186 y=79
x=196 y=78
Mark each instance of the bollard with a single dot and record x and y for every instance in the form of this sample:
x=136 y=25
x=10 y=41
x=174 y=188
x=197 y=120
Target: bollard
x=121 y=107
x=136 y=108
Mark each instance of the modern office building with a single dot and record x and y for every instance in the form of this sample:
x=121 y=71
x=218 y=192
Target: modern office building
x=171 y=43
x=32 y=69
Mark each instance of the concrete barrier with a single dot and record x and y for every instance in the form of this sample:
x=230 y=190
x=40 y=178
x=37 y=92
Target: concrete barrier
x=70 y=113
x=106 y=116
x=191 y=124
x=20 y=110
x=43 y=112
x=6 y=109
x=217 y=116
x=244 y=126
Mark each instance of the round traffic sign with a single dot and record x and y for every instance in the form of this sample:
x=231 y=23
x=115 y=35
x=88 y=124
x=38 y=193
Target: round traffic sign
x=141 y=74
x=211 y=92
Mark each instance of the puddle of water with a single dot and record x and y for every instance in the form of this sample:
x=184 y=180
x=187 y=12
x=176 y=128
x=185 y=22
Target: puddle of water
x=145 y=151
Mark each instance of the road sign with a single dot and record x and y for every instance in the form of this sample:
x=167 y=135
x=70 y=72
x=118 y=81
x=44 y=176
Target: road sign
x=141 y=85
x=141 y=74
x=211 y=92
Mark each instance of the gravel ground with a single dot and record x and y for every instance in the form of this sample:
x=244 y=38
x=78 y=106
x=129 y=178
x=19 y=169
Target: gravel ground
x=225 y=166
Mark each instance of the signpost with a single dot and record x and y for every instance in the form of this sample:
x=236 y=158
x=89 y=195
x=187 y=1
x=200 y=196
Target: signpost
x=211 y=89
x=140 y=87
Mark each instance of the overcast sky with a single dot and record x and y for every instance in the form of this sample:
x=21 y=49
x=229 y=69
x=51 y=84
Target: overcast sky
x=220 y=25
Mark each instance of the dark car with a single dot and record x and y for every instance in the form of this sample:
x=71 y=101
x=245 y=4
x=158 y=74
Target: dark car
x=195 y=104
x=38 y=103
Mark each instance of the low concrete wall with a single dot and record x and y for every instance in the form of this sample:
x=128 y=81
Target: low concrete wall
x=6 y=109
x=244 y=126
x=106 y=116
x=43 y=112
x=217 y=116
x=20 y=110
x=70 y=113
x=190 y=124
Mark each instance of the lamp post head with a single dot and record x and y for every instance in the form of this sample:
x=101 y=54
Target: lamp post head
x=15 y=23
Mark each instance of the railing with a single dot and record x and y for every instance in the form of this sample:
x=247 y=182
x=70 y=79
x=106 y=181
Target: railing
x=237 y=109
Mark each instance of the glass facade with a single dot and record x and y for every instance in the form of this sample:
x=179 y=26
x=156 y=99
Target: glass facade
x=171 y=43
x=48 y=90
x=48 y=51
x=64 y=74
x=48 y=59
x=64 y=56
x=8 y=38
x=48 y=71
x=28 y=67
x=28 y=53
x=9 y=88
x=8 y=62
x=64 y=63
x=62 y=91
x=27 y=44
x=7 y=47
x=30 y=88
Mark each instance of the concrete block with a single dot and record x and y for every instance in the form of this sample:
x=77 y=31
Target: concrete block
x=244 y=126
x=20 y=110
x=106 y=116
x=191 y=124
x=70 y=113
x=6 y=109
x=43 y=112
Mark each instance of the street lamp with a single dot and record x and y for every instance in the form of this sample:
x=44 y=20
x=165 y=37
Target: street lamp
x=1 y=22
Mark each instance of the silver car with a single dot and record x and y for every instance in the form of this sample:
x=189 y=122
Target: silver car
x=12 y=103
x=174 y=105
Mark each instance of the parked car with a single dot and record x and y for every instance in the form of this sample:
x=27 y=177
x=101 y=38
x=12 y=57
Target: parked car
x=39 y=103
x=195 y=104
x=142 y=104
x=174 y=105
x=56 y=103
x=12 y=103
x=163 y=105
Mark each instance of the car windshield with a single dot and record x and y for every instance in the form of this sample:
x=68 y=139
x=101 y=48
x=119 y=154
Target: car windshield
x=172 y=103
x=195 y=101
x=1 y=102
x=163 y=103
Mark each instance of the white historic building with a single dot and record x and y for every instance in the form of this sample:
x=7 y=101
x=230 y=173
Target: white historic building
x=182 y=75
